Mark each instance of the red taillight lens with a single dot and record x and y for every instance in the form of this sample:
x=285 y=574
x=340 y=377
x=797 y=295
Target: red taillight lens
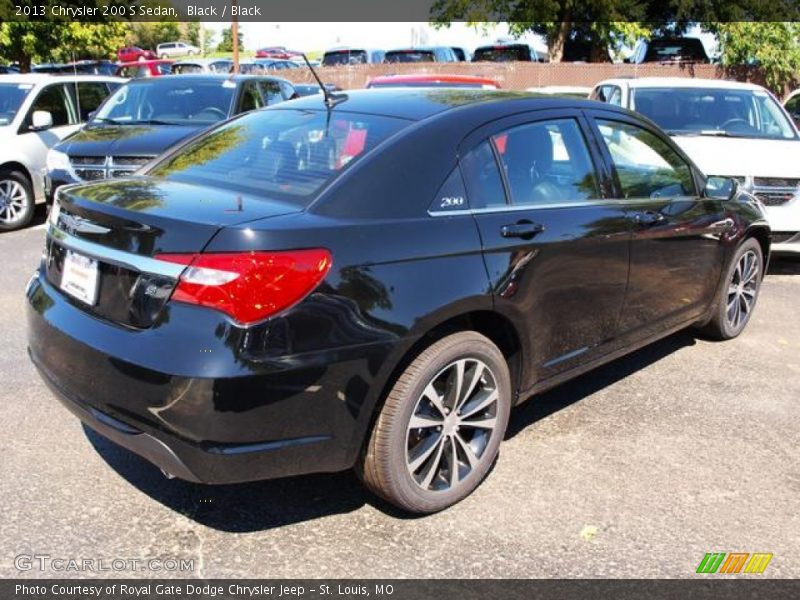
x=249 y=286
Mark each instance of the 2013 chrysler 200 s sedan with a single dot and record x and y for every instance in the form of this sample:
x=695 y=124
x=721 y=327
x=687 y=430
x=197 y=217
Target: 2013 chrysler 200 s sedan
x=374 y=282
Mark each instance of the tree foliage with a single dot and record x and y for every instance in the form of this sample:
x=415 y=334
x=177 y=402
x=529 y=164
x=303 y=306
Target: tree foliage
x=226 y=43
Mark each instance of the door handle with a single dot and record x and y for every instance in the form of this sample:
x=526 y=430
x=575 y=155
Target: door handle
x=521 y=229
x=648 y=218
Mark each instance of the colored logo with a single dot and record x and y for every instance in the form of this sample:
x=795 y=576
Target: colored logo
x=734 y=562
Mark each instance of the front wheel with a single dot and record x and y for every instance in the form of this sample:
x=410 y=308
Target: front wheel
x=16 y=200
x=736 y=298
x=440 y=429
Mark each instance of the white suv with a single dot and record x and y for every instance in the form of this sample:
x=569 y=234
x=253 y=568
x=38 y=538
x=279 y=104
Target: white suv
x=37 y=112
x=176 y=49
x=731 y=129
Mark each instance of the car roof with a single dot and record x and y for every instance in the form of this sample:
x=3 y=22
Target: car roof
x=36 y=78
x=680 y=82
x=203 y=77
x=420 y=103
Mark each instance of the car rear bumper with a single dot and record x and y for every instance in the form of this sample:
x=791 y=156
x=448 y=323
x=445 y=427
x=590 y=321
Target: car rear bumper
x=307 y=414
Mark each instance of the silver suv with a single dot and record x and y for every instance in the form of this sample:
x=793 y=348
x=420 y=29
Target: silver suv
x=170 y=49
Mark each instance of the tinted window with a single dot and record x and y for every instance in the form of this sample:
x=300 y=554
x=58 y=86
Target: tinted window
x=547 y=162
x=410 y=56
x=250 y=98
x=793 y=107
x=54 y=100
x=344 y=57
x=89 y=96
x=672 y=50
x=182 y=69
x=220 y=66
x=283 y=153
x=709 y=111
x=12 y=95
x=502 y=53
x=482 y=178
x=180 y=100
x=647 y=167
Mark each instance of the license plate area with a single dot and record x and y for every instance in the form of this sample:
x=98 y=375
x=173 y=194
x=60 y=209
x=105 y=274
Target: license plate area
x=80 y=277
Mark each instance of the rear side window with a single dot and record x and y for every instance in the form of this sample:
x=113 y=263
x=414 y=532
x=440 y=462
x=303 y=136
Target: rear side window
x=250 y=99
x=89 y=96
x=289 y=154
x=344 y=57
x=646 y=166
x=482 y=178
x=547 y=162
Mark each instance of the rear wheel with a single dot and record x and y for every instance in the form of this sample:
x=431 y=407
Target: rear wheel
x=16 y=200
x=737 y=296
x=440 y=428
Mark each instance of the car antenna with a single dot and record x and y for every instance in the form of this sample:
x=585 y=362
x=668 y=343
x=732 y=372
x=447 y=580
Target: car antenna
x=331 y=99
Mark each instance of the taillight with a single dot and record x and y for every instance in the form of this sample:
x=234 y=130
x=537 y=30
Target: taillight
x=249 y=286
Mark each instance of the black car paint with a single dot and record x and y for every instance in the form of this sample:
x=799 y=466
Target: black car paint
x=100 y=139
x=215 y=402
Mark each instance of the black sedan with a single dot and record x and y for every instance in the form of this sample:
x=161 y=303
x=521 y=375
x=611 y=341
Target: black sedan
x=375 y=281
x=146 y=116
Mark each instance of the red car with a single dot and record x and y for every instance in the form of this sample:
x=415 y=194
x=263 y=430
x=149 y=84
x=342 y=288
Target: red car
x=275 y=52
x=144 y=68
x=450 y=81
x=134 y=53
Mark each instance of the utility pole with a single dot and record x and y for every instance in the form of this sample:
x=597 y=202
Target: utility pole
x=235 y=34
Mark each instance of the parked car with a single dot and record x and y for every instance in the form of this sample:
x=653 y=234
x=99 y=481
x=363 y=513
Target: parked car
x=261 y=66
x=145 y=68
x=792 y=106
x=8 y=69
x=336 y=57
x=416 y=55
x=36 y=111
x=449 y=81
x=728 y=128
x=507 y=53
x=278 y=296
x=278 y=52
x=202 y=65
x=170 y=49
x=678 y=49
x=461 y=54
x=81 y=67
x=146 y=116
x=574 y=91
x=134 y=53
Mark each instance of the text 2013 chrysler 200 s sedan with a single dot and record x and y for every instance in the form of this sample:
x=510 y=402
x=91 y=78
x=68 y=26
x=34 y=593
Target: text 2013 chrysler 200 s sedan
x=375 y=282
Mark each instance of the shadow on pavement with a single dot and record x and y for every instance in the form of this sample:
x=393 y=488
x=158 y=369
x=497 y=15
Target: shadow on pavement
x=263 y=505
x=784 y=266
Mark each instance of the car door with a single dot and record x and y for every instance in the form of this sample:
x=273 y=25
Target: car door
x=555 y=248
x=676 y=253
x=56 y=99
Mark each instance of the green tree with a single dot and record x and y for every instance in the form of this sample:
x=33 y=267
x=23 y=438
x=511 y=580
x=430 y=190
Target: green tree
x=151 y=34
x=773 y=46
x=226 y=44
x=26 y=42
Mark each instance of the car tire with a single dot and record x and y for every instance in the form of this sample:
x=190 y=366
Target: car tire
x=16 y=200
x=738 y=292
x=191 y=53
x=467 y=377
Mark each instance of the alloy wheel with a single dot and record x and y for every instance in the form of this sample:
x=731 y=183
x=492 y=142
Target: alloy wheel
x=451 y=425
x=13 y=201
x=742 y=290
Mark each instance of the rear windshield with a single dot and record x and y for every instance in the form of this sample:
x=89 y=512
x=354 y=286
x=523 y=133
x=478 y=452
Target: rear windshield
x=410 y=56
x=185 y=68
x=344 y=57
x=432 y=83
x=286 y=154
x=173 y=101
x=502 y=53
x=673 y=50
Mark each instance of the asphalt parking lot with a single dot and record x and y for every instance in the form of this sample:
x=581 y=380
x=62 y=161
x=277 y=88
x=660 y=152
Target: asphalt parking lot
x=635 y=470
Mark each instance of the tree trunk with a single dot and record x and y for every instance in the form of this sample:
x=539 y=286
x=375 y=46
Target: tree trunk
x=556 y=41
x=24 y=63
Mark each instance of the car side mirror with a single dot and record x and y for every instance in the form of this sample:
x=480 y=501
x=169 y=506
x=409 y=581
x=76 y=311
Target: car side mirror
x=720 y=188
x=41 y=120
